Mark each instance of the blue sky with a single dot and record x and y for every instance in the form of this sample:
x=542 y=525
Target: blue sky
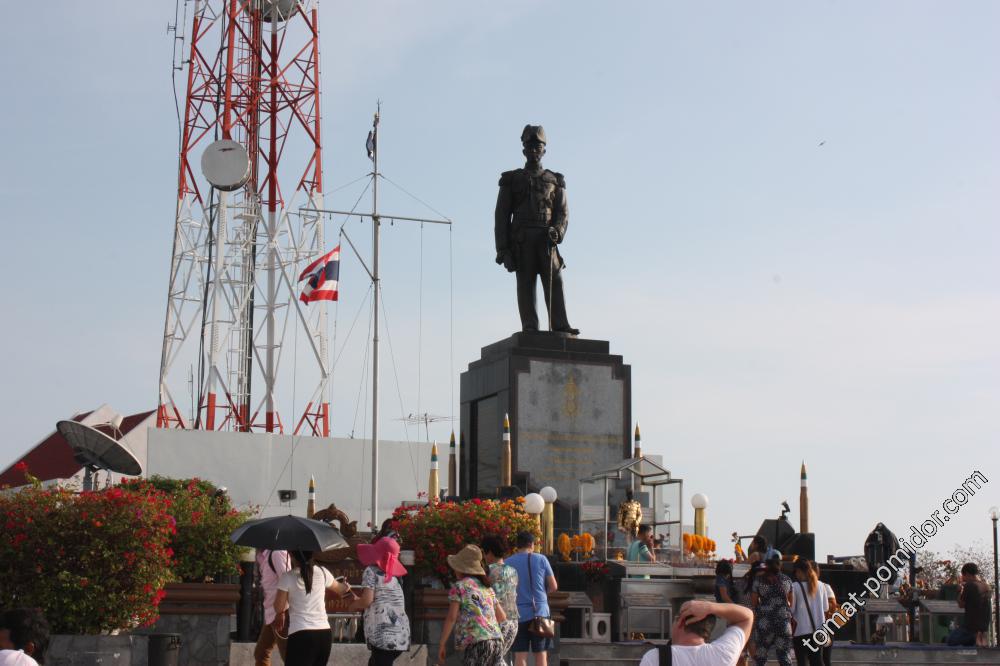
x=783 y=215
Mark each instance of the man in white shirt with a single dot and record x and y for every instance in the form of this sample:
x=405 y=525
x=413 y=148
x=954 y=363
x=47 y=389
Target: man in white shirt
x=24 y=635
x=690 y=632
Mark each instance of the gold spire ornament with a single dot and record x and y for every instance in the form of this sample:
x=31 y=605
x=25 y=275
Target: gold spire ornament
x=636 y=479
x=311 y=504
x=452 y=468
x=433 y=483
x=803 y=501
x=506 y=473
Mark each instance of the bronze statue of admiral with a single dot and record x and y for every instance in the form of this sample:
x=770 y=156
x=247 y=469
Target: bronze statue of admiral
x=530 y=222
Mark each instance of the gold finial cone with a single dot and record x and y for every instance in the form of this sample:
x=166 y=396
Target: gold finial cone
x=506 y=422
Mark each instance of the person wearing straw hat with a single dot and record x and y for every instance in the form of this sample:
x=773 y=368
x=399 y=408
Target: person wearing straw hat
x=473 y=612
x=387 y=628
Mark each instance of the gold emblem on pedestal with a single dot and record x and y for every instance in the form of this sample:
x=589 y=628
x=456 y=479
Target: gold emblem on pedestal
x=571 y=396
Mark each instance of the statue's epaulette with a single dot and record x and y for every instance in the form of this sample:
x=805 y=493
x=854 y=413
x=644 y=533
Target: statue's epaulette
x=561 y=179
x=507 y=177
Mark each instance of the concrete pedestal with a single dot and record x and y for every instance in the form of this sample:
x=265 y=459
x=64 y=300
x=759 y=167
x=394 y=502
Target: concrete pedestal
x=569 y=401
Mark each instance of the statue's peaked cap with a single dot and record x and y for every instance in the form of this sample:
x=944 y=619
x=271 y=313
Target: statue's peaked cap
x=533 y=133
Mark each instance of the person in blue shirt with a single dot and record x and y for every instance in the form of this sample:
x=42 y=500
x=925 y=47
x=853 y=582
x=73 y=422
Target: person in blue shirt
x=641 y=550
x=535 y=581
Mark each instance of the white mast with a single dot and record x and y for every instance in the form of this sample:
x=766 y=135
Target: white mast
x=377 y=287
x=375 y=305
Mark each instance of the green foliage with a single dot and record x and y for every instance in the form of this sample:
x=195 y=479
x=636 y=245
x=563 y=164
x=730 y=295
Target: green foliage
x=205 y=519
x=92 y=561
x=437 y=530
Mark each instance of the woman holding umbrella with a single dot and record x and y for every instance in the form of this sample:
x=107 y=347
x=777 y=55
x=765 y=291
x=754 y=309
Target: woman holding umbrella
x=302 y=592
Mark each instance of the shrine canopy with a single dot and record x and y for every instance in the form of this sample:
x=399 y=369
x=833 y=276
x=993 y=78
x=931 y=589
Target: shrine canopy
x=652 y=485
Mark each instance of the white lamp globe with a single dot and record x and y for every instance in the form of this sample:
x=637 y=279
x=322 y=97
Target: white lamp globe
x=548 y=494
x=699 y=501
x=994 y=513
x=533 y=503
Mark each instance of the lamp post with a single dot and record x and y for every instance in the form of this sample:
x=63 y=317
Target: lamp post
x=700 y=502
x=994 y=514
x=548 y=494
x=533 y=506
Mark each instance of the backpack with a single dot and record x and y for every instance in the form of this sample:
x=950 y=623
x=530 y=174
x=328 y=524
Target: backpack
x=666 y=655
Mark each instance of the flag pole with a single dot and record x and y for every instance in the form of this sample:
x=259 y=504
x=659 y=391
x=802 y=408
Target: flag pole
x=375 y=306
x=372 y=149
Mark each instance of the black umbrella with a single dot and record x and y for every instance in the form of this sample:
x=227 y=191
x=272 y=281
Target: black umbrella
x=288 y=533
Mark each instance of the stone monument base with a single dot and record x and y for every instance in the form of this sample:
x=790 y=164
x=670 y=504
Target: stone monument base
x=569 y=401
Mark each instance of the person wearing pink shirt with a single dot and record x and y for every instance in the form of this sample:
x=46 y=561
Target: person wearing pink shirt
x=271 y=564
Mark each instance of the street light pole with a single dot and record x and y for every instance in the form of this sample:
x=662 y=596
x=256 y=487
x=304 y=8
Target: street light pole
x=994 y=514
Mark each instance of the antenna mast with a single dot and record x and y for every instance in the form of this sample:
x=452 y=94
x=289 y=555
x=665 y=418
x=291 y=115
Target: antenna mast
x=252 y=72
x=375 y=305
x=373 y=273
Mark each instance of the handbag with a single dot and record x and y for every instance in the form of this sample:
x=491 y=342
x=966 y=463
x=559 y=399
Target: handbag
x=544 y=627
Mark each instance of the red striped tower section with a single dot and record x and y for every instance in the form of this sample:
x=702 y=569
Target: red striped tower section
x=249 y=182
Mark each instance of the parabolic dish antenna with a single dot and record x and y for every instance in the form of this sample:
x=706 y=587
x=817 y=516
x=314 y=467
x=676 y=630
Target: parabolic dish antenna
x=95 y=451
x=268 y=8
x=226 y=165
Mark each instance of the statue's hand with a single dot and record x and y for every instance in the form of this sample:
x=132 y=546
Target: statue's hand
x=506 y=259
x=554 y=235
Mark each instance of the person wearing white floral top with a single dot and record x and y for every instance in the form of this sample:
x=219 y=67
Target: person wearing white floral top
x=504 y=580
x=387 y=628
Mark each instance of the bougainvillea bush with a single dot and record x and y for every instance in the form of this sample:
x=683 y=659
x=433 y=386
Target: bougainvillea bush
x=437 y=530
x=93 y=561
x=205 y=519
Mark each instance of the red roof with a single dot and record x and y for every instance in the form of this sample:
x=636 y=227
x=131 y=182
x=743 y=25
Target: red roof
x=53 y=457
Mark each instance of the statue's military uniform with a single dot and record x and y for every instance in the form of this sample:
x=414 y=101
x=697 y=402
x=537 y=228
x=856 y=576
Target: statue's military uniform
x=530 y=221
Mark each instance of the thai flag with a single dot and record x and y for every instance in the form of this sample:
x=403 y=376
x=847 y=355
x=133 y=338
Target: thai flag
x=322 y=277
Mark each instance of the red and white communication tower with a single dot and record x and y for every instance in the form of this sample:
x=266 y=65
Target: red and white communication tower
x=250 y=179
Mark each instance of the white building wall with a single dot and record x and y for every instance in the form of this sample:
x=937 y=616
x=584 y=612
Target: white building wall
x=253 y=467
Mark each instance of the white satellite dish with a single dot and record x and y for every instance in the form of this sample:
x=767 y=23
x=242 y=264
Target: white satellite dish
x=96 y=451
x=226 y=165
x=283 y=8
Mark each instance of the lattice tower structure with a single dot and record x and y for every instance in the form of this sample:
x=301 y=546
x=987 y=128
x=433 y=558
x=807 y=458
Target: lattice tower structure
x=252 y=76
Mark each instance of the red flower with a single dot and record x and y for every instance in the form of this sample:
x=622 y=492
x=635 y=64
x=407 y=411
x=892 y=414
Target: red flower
x=22 y=467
